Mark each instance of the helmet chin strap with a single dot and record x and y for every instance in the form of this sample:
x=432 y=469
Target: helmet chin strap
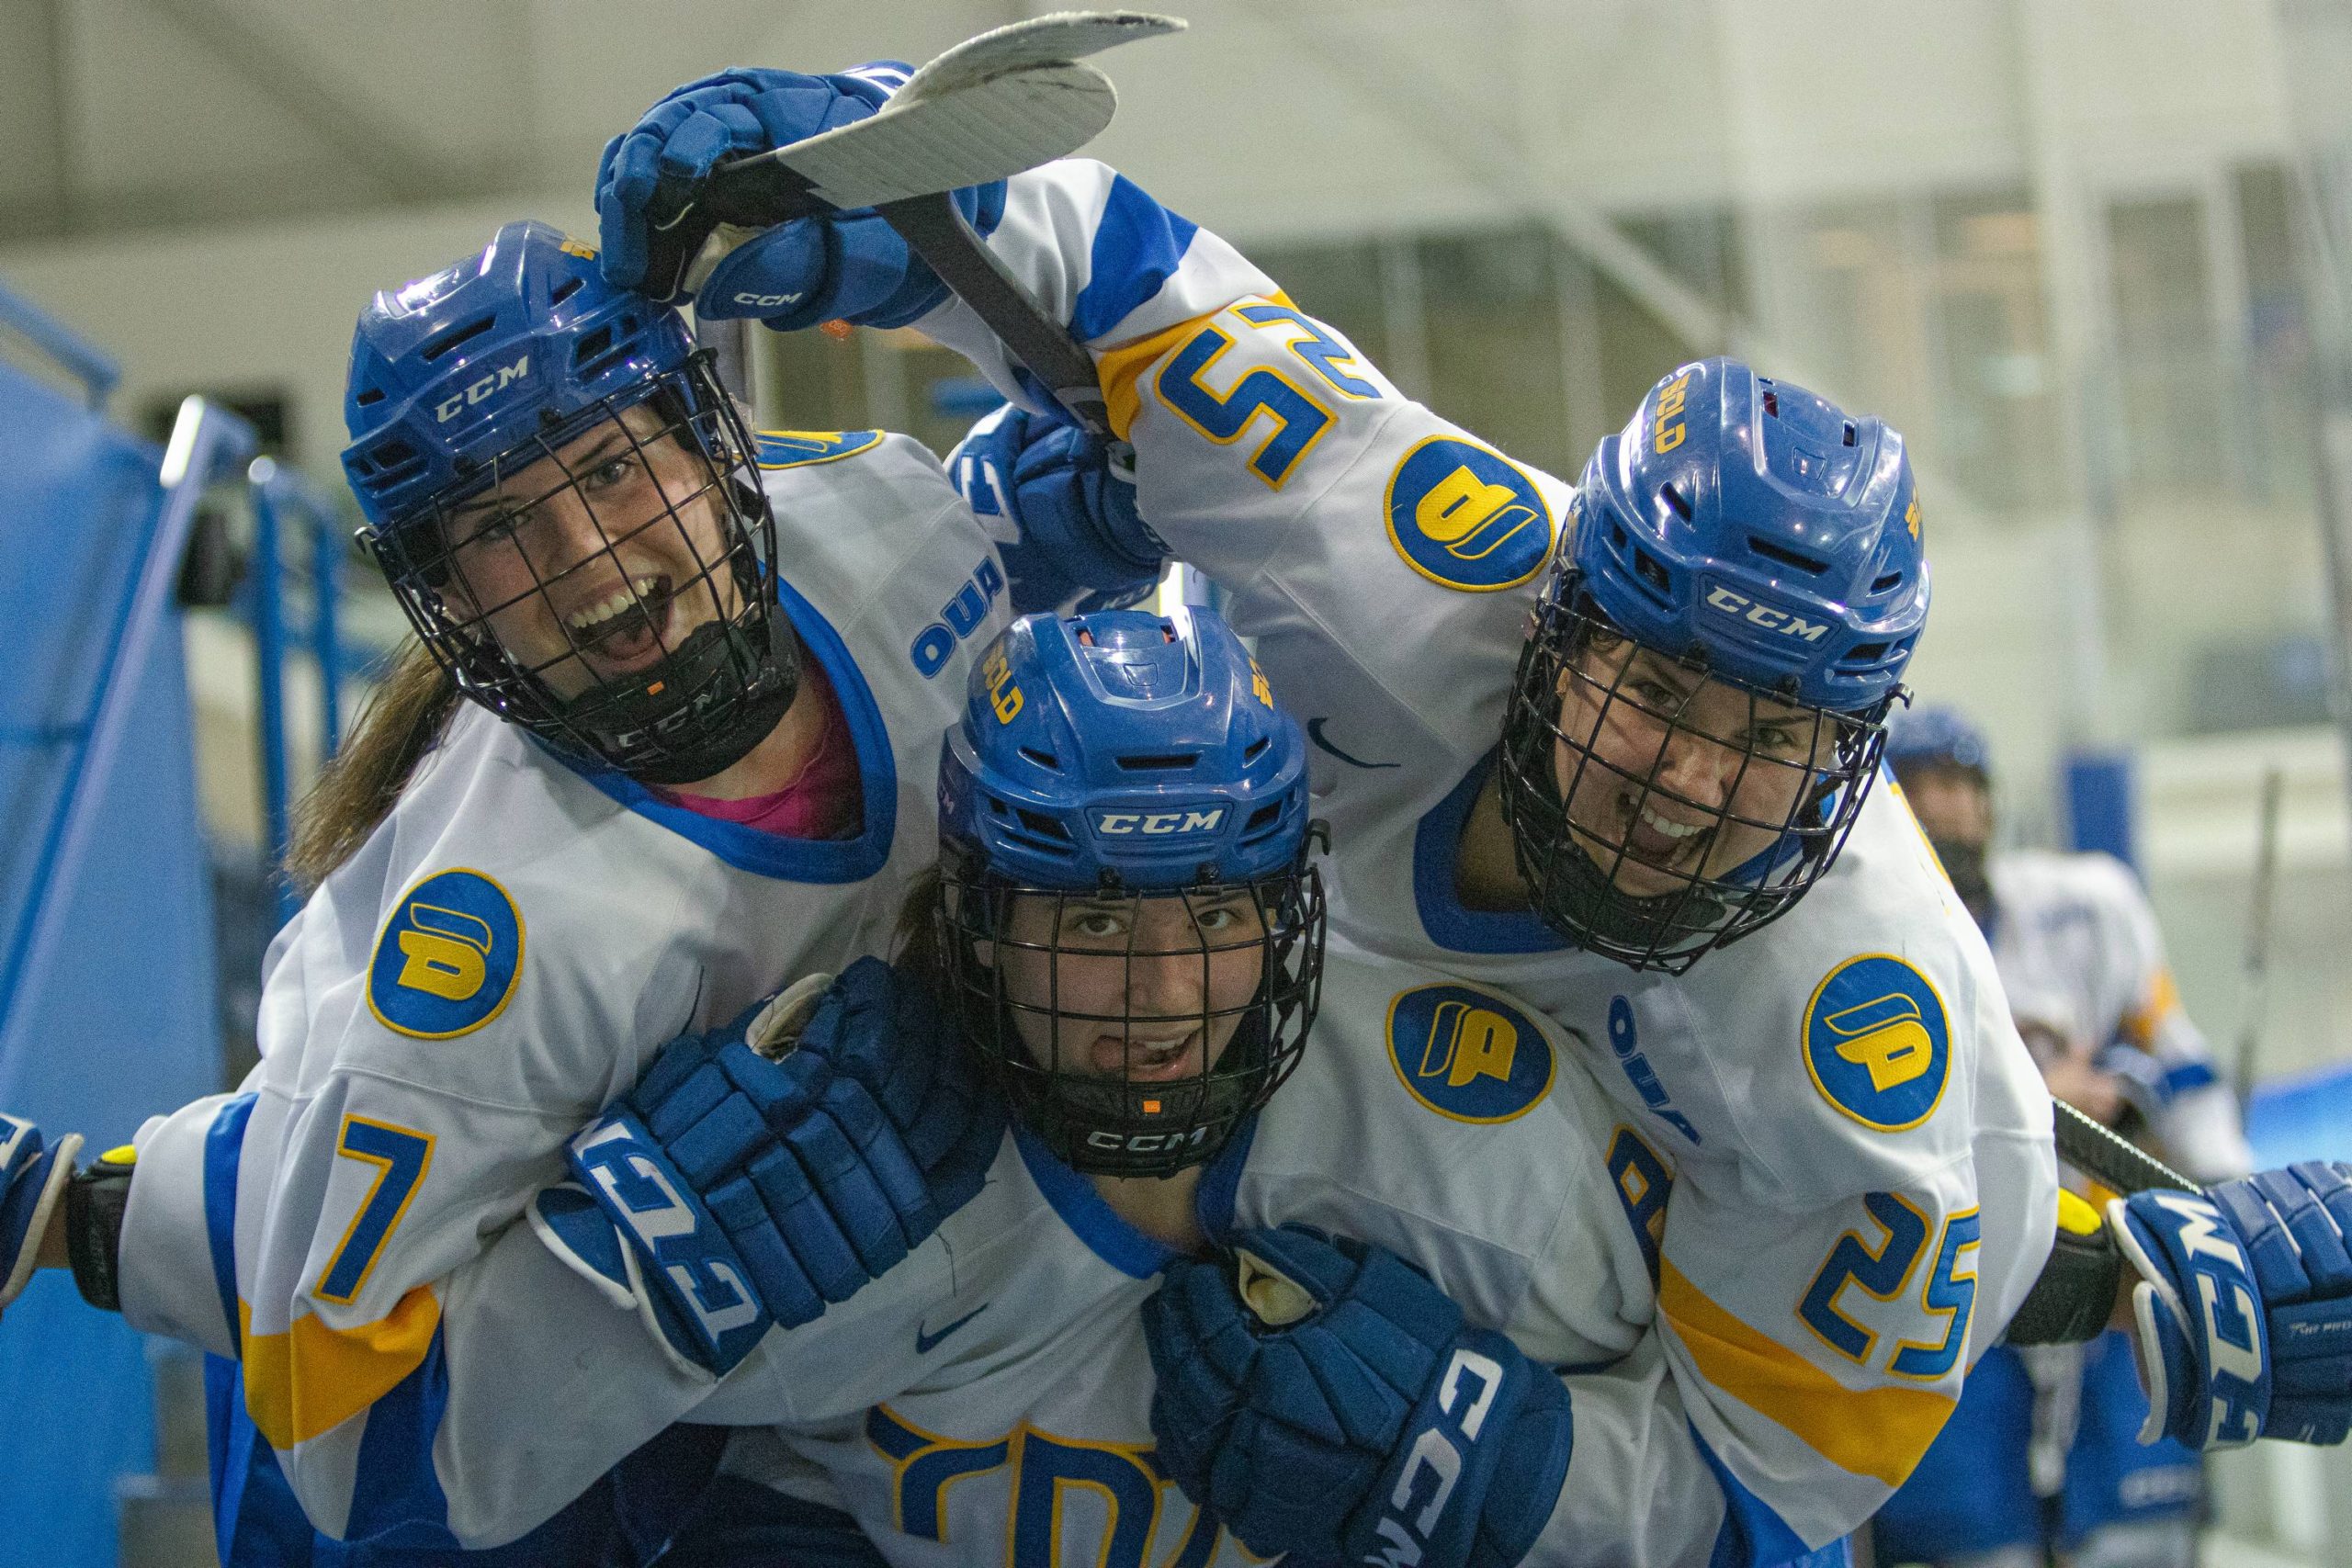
x=1579 y=898
x=1216 y=1104
x=633 y=730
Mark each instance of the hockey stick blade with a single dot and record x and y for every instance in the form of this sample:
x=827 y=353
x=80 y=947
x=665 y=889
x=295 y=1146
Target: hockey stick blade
x=1040 y=41
x=2110 y=1160
x=989 y=108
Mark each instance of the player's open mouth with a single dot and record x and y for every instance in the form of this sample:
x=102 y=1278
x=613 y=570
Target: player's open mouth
x=1658 y=841
x=628 y=628
x=1149 y=1059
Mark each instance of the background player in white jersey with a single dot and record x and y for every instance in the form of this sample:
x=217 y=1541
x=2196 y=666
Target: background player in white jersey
x=2041 y=1455
x=708 y=673
x=1864 y=1171
x=2079 y=951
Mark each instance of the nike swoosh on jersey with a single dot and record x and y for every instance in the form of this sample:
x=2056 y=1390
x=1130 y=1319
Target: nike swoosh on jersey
x=924 y=1342
x=1315 y=733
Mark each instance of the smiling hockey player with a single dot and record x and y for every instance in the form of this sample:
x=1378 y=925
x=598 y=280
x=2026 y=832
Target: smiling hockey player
x=706 y=676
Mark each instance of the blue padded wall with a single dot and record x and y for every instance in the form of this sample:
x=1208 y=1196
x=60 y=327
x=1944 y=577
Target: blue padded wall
x=119 y=1023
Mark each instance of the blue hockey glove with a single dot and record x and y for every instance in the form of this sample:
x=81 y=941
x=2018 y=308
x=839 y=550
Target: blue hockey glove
x=1325 y=1400
x=1072 y=539
x=2244 y=1311
x=33 y=1180
x=574 y=1225
x=850 y=267
x=755 y=1191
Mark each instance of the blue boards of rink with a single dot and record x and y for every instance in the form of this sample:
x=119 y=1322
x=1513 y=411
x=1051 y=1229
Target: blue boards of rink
x=2308 y=1116
x=108 y=1012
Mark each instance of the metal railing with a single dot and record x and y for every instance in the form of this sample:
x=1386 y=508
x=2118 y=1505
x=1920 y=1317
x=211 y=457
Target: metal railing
x=88 y=364
x=206 y=441
x=283 y=501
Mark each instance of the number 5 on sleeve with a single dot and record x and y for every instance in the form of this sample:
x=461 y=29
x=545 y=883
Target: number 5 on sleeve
x=401 y=1157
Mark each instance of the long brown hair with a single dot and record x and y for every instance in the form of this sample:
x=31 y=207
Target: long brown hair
x=401 y=722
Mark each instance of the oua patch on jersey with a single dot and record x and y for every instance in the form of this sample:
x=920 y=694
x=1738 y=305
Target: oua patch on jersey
x=447 y=959
x=1467 y=1056
x=798 y=448
x=1466 y=517
x=1877 y=1042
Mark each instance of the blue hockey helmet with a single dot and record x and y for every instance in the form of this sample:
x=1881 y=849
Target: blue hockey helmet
x=1937 y=735
x=1126 y=870
x=623 y=612
x=1698 y=709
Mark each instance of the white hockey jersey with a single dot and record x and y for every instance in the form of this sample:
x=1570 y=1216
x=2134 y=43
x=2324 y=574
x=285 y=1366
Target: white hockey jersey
x=1867 y=1185
x=1000 y=1413
x=2079 y=953
x=505 y=956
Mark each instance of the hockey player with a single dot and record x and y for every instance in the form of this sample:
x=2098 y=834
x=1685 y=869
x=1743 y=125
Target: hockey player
x=2078 y=950
x=706 y=676
x=1128 y=928
x=2041 y=1454
x=1687 y=746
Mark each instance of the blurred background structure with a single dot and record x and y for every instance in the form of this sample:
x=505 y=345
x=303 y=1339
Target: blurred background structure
x=2094 y=258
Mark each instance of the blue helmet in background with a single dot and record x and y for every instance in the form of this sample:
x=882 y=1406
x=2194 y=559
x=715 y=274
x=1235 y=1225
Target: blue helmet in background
x=493 y=368
x=1940 y=735
x=1753 y=537
x=1937 y=735
x=1123 y=808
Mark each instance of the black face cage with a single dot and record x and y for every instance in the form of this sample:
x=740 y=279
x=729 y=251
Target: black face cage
x=1119 y=1123
x=726 y=663
x=1585 y=727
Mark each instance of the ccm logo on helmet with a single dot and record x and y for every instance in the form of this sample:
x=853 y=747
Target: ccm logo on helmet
x=1157 y=824
x=1787 y=622
x=448 y=407
x=1144 y=1143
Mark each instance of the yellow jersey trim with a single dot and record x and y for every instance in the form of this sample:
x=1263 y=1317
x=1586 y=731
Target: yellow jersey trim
x=312 y=1378
x=1878 y=1432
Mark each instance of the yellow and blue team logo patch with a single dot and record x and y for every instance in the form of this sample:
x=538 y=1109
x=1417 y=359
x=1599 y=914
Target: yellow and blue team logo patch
x=1466 y=517
x=447 y=960
x=798 y=448
x=1877 y=1042
x=1467 y=1056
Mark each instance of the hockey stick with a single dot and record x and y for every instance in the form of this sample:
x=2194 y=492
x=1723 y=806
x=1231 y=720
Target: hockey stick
x=2109 y=1160
x=2257 y=939
x=987 y=109
x=935 y=227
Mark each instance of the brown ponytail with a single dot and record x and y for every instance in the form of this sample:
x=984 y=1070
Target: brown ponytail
x=403 y=721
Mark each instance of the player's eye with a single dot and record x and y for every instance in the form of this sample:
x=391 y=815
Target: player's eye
x=1096 y=925
x=1790 y=739
x=613 y=472
x=488 y=528
x=1653 y=693
x=1224 y=919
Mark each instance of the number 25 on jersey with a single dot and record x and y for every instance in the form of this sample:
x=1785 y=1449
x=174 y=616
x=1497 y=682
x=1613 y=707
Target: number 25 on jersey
x=1884 y=1272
